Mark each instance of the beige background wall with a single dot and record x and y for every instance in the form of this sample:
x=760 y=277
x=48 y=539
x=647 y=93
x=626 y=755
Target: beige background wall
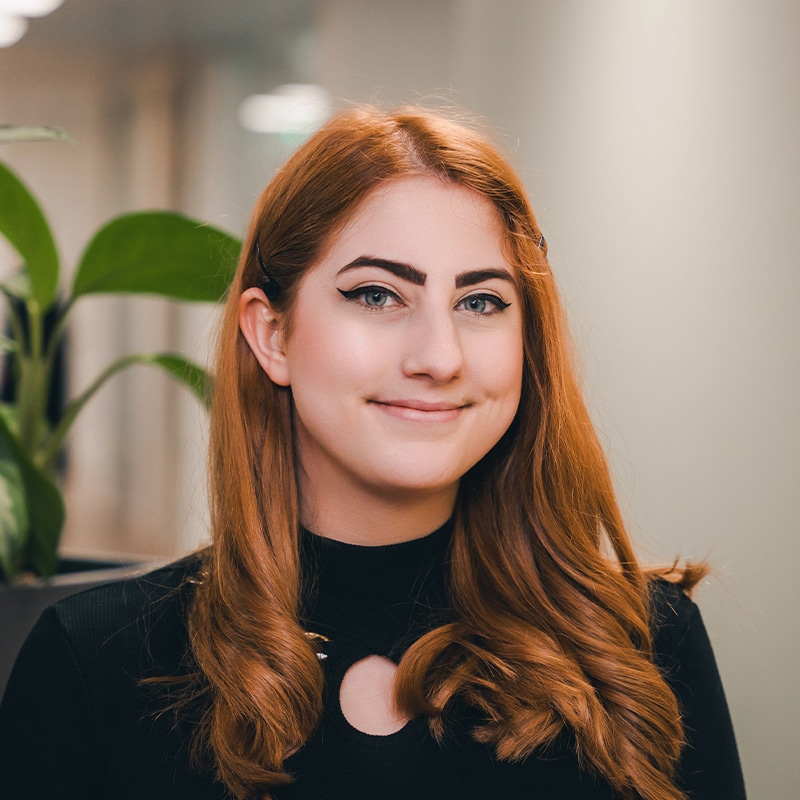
x=660 y=142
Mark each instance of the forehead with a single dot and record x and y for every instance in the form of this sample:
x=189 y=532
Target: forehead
x=425 y=221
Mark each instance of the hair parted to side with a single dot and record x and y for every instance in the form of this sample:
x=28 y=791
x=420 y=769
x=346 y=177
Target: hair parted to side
x=550 y=630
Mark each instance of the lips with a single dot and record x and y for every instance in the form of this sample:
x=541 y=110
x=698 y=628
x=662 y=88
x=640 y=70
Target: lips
x=420 y=410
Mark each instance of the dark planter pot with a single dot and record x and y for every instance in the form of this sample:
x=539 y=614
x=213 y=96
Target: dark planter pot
x=20 y=606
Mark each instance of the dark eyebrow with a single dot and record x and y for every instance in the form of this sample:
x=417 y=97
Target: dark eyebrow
x=479 y=275
x=404 y=271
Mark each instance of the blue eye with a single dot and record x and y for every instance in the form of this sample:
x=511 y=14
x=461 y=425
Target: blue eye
x=371 y=296
x=375 y=297
x=484 y=304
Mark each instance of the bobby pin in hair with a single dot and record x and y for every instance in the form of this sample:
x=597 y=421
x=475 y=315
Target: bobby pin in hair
x=271 y=287
x=318 y=637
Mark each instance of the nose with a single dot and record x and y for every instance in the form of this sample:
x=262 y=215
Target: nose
x=433 y=348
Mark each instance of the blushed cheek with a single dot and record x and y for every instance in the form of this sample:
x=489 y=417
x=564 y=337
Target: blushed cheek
x=355 y=360
x=502 y=372
x=332 y=365
x=365 y=347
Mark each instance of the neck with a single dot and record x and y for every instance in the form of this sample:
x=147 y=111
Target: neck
x=372 y=519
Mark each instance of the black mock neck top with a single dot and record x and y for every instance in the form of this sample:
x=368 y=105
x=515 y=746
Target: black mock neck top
x=76 y=722
x=374 y=599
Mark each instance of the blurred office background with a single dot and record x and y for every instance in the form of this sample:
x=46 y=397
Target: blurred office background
x=660 y=143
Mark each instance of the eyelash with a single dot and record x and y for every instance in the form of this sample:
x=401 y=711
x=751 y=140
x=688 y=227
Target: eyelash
x=491 y=299
x=359 y=294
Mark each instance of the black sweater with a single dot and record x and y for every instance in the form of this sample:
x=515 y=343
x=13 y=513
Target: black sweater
x=76 y=722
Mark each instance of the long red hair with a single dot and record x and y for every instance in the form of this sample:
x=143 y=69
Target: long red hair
x=551 y=607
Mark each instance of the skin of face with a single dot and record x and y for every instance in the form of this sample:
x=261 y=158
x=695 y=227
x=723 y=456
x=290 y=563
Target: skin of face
x=404 y=360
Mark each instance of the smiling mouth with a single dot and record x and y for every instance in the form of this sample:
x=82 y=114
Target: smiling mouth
x=420 y=410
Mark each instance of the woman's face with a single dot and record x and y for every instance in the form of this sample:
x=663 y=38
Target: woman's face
x=405 y=354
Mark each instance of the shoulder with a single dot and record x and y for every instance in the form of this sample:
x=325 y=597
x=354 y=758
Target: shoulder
x=672 y=611
x=139 y=622
x=674 y=621
x=682 y=649
x=136 y=593
x=79 y=717
x=709 y=765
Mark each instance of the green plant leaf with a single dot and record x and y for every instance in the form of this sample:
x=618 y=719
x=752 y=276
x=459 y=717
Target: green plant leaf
x=158 y=252
x=43 y=506
x=9 y=421
x=32 y=133
x=46 y=513
x=189 y=373
x=23 y=223
x=13 y=508
x=8 y=345
x=18 y=285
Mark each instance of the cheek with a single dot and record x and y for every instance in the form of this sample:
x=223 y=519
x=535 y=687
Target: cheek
x=329 y=356
x=499 y=366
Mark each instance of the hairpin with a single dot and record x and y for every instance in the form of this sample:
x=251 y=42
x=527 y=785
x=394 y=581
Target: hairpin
x=318 y=637
x=542 y=244
x=271 y=287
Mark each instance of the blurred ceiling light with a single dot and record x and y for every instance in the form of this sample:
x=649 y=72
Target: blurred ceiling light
x=29 y=8
x=293 y=108
x=12 y=29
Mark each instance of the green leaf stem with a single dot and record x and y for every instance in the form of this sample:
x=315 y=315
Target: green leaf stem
x=192 y=375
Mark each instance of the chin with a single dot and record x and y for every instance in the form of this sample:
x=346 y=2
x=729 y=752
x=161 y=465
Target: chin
x=414 y=485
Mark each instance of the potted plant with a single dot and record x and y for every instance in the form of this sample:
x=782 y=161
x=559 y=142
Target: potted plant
x=153 y=252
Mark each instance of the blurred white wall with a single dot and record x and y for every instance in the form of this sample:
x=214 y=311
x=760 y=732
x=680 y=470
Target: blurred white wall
x=660 y=142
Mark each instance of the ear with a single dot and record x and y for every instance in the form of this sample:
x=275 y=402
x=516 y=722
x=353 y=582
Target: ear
x=262 y=329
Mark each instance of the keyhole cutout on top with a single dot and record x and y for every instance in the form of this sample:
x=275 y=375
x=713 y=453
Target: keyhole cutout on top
x=366 y=697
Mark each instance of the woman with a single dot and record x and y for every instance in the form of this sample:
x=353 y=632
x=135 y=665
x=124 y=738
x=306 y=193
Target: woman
x=419 y=584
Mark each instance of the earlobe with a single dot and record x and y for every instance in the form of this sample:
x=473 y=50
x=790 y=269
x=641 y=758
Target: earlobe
x=262 y=329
